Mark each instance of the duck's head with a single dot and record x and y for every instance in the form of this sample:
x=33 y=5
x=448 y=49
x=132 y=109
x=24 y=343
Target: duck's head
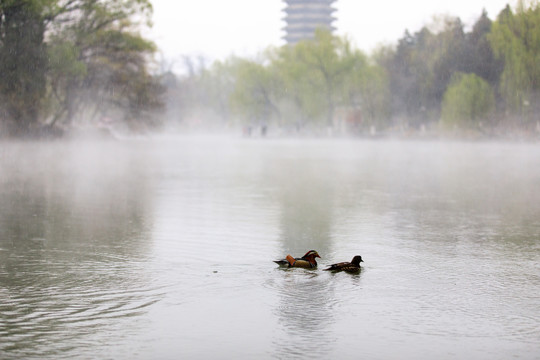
x=357 y=260
x=311 y=254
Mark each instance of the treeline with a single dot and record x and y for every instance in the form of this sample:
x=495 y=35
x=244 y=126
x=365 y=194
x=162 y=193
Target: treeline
x=441 y=76
x=74 y=62
x=71 y=63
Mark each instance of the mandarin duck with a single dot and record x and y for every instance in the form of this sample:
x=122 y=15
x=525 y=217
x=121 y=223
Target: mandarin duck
x=307 y=261
x=353 y=266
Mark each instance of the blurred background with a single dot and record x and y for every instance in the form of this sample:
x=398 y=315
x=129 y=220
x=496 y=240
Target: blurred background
x=334 y=68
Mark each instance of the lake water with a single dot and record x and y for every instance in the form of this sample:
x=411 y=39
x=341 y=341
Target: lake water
x=162 y=249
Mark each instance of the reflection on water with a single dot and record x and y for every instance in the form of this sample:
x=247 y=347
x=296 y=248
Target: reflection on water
x=163 y=249
x=305 y=299
x=301 y=184
x=305 y=313
x=71 y=244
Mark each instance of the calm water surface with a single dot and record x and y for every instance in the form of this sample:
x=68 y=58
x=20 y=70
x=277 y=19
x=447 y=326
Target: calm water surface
x=163 y=249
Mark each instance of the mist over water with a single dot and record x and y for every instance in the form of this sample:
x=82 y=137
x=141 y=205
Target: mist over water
x=163 y=248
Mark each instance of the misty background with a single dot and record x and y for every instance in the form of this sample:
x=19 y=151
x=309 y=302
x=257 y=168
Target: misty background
x=71 y=67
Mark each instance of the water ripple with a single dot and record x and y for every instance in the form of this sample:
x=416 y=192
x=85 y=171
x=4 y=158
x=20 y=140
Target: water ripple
x=68 y=298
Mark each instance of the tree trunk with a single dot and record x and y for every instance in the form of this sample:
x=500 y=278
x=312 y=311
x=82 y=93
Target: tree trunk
x=22 y=64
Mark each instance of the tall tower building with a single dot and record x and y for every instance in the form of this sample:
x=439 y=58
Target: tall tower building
x=304 y=16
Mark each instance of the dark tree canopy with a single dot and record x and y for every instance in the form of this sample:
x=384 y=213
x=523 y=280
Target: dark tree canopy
x=71 y=61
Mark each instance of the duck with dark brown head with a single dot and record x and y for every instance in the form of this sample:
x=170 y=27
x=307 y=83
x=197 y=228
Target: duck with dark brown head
x=351 y=267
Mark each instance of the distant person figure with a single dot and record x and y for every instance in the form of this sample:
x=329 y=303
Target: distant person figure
x=247 y=131
x=263 y=130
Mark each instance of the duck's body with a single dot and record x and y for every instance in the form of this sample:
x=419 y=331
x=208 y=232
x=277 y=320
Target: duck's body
x=353 y=266
x=307 y=261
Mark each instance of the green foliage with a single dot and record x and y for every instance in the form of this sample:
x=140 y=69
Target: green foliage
x=307 y=82
x=515 y=38
x=254 y=96
x=468 y=101
x=421 y=68
x=217 y=88
x=292 y=86
x=64 y=62
x=106 y=62
x=479 y=57
x=324 y=64
x=92 y=61
x=324 y=81
x=299 y=98
x=367 y=89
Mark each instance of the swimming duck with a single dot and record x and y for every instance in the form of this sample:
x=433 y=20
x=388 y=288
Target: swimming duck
x=307 y=261
x=353 y=266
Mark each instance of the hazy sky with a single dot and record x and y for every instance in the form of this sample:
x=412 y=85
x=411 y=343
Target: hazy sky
x=218 y=28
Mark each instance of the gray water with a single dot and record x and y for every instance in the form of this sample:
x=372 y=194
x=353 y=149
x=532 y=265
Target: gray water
x=163 y=248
